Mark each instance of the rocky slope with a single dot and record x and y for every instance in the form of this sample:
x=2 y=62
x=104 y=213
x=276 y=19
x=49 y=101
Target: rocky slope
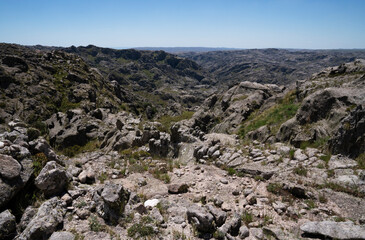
x=158 y=77
x=278 y=66
x=257 y=161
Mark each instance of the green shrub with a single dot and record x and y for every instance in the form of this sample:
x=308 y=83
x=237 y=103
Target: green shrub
x=231 y=171
x=274 y=188
x=33 y=133
x=143 y=229
x=102 y=177
x=94 y=224
x=291 y=153
x=39 y=161
x=300 y=170
x=361 y=161
x=247 y=218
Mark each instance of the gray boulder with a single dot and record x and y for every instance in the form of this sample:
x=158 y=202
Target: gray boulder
x=52 y=179
x=40 y=145
x=9 y=167
x=48 y=218
x=7 y=225
x=350 y=138
x=115 y=198
x=160 y=147
x=333 y=230
x=219 y=215
x=200 y=218
x=13 y=178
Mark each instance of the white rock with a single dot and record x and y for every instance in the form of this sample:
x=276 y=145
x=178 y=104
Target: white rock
x=151 y=203
x=2 y=144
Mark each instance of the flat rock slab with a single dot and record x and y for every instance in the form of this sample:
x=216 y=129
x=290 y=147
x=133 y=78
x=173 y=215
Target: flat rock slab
x=335 y=230
x=255 y=169
x=341 y=162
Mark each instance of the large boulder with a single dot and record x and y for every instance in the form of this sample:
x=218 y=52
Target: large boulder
x=48 y=218
x=52 y=179
x=200 y=218
x=333 y=230
x=115 y=198
x=350 y=138
x=7 y=225
x=72 y=128
x=40 y=145
x=9 y=167
x=13 y=176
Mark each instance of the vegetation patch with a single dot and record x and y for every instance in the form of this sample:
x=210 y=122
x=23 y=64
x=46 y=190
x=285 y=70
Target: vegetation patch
x=76 y=149
x=142 y=229
x=167 y=121
x=361 y=161
x=272 y=117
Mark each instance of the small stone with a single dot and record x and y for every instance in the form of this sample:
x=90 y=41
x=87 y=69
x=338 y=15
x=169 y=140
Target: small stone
x=67 y=199
x=244 y=232
x=178 y=188
x=224 y=180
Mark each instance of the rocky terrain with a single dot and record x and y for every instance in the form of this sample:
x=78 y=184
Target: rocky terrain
x=278 y=66
x=257 y=161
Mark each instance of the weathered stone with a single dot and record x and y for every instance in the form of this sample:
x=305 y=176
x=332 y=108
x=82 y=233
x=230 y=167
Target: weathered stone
x=335 y=230
x=178 y=188
x=52 y=179
x=219 y=215
x=49 y=216
x=9 y=167
x=244 y=232
x=201 y=218
x=7 y=225
x=115 y=198
x=62 y=236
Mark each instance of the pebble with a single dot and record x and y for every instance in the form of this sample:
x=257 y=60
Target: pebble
x=2 y=145
x=224 y=181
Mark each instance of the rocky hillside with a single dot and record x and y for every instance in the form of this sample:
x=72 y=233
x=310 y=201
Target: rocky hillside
x=278 y=66
x=35 y=84
x=257 y=161
x=157 y=77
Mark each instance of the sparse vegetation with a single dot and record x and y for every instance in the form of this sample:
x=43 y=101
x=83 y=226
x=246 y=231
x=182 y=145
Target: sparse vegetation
x=167 y=121
x=247 y=218
x=143 y=229
x=94 y=224
x=274 y=188
x=361 y=161
x=301 y=171
x=74 y=150
x=39 y=161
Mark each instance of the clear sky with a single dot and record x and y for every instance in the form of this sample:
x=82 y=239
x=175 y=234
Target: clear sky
x=185 y=23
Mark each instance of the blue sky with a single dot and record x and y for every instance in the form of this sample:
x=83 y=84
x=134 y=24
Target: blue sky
x=310 y=24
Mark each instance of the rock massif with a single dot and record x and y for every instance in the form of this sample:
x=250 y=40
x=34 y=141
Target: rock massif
x=258 y=161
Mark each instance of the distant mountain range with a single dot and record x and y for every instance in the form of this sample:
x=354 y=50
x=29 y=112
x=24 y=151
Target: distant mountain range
x=187 y=49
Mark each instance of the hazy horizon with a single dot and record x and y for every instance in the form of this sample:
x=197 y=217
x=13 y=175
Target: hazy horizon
x=244 y=24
